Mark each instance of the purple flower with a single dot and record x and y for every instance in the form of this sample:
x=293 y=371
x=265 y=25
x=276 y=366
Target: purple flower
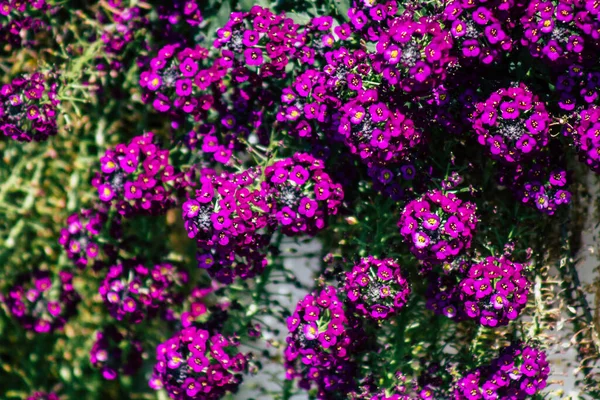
x=253 y=57
x=311 y=314
x=154 y=82
x=286 y=216
x=220 y=220
x=509 y=110
x=311 y=332
x=552 y=50
x=161 y=103
x=558 y=178
x=562 y=197
x=525 y=144
x=188 y=67
x=420 y=240
x=205 y=261
x=494 y=33
x=541 y=201
x=299 y=175
x=293 y=322
x=470 y=48
x=482 y=16
x=191 y=208
x=392 y=54
x=357 y=114
x=251 y=38
x=453 y=227
x=129 y=305
x=378 y=112
x=431 y=221
x=420 y=71
x=308 y=207
x=183 y=87
x=203 y=374
x=105 y=192
x=379 y=311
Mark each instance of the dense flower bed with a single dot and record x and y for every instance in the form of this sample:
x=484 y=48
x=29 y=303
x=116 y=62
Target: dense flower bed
x=164 y=165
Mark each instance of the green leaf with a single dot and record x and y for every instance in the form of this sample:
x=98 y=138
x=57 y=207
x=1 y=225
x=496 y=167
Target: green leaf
x=342 y=7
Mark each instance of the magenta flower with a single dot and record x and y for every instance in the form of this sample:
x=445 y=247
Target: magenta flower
x=420 y=71
x=392 y=54
x=357 y=114
x=299 y=175
x=220 y=220
x=207 y=367
x=310 y=359
x=470 y=48
x=431 y=221
x=251 y=38
x=286 y=216
x=105 y=192
x=311 y=331
x=420 y=240
x=188 y=67
x=378 y=112
x=253 y=57
x=308 y=207
x=558 y=178
x=154 y=82
x=509 y=110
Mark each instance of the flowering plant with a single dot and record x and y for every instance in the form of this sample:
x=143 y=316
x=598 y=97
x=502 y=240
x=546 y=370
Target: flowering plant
x=303 y=199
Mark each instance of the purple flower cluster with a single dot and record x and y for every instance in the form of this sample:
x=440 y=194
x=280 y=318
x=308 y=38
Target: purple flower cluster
x=317 y=37
x=302 y=194
x=378 y=133
x=175 y=76
x=228 y=218
x=194 y=364
x=541 y=184
x=481 y=32
x=411 y=52
x=253 y=46
x=41 y=302
x=320 y=343
x=366 y=120
x=438 y=226
x=519 y=372
x=120 y=26
x=137 y=177
x=376 y=288
x=225 y=206
x=78 y=238
x=134 y=292
x=19 y=19
x=178 y=10
x=112 y=353
x=185 y=84
x=28 y=108
x=559 y=30
x=512 y=123
x=306 y=105
x=577 y=87
x=492 y=292
x=586 y=135
x=246 y=34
